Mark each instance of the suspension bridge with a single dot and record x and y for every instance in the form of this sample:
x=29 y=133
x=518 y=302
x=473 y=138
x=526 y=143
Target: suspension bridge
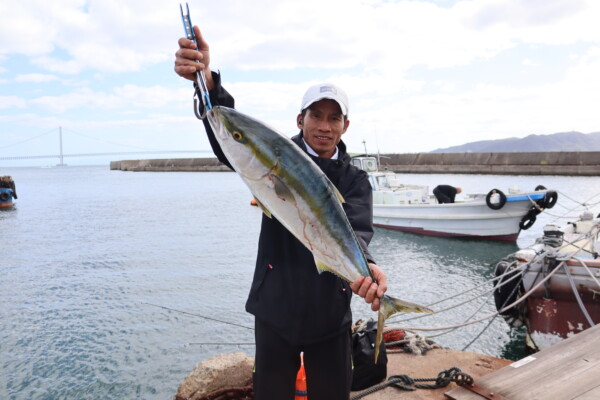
x=61 y=156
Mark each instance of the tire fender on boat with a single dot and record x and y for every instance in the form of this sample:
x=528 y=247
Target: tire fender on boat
x=500 y=204
x=508 y=293
x=4 y=196
x=550 y=199
x=529 y=219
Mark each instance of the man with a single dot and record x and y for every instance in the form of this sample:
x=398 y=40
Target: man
x=296 y=309
x=446 y=193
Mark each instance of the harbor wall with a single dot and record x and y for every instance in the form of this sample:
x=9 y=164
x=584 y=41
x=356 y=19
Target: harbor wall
x=170 y=164
x=538 y=163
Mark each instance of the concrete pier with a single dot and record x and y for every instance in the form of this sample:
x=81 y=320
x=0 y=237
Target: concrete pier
x=540 y=163
x=170 y=164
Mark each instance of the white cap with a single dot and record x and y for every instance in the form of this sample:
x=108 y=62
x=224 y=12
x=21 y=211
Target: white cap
x=325 y=91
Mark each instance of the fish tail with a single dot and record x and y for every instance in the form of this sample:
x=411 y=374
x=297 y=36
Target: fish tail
x=388 y=307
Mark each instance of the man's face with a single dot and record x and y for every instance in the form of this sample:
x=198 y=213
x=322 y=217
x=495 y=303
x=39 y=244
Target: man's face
x=323 y=125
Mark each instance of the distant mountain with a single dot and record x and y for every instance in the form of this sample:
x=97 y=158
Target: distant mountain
x=566 y=141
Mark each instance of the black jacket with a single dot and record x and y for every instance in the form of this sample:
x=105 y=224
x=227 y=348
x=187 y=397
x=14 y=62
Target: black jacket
x=445 y=193
x=287 y=292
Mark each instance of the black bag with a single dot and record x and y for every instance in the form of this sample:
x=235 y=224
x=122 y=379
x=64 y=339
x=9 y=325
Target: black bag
x=366 y=373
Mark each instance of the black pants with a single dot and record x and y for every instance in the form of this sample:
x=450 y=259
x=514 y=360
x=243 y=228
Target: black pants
x=328 y=366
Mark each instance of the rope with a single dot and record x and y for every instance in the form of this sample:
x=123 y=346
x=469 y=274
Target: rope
x=518 y=301
x=486 y=283
x=513 y=292
x=413 y=343
x=585 y=206
x=489 y=291
x=587 y=269
x=246 y=392
x=578 y=297
x=405 y=382
x=504 y=309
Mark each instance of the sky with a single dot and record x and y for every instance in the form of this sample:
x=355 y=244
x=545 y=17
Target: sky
x=420 y=75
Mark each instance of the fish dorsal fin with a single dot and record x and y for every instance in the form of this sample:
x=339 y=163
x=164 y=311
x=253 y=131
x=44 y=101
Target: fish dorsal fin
x=263 y=208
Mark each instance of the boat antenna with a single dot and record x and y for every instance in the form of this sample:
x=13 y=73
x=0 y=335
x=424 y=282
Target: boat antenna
x=365 y=144
x=377 y=146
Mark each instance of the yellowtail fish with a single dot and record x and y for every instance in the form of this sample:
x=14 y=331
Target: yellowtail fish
x=288 y=185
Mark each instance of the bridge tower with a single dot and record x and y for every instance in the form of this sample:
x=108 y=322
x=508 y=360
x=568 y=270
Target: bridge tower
x=61 y=164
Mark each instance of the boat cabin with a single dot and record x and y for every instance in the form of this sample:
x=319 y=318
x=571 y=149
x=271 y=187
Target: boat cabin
x=387 y=188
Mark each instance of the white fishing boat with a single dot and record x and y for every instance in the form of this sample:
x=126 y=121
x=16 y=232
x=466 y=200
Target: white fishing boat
x=411 y=208
x=553 y=286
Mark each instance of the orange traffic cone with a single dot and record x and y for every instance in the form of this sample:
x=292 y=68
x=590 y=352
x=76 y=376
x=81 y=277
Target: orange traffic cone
x=301 y=392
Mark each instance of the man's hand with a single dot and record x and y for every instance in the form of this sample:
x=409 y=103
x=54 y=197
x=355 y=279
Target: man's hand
x=189 y=59
x=369 y=290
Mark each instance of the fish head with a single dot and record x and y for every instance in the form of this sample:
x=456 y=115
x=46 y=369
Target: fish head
x=250 y=146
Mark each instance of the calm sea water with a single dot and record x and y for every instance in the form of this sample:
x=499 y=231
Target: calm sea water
x=88 y=254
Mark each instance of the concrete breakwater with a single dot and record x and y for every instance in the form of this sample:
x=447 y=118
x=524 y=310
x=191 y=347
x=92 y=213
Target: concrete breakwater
x=538 y=163
x=170 y=164
x=534 y=163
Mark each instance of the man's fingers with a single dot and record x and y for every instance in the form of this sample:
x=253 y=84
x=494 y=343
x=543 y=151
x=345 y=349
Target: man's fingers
x=201 y=42
x=186 y=43
x=364 y=288
x=189 y=54
x=371 y=293
x=375 y=304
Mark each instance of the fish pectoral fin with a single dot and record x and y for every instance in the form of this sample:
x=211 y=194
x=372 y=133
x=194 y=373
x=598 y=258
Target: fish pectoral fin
x=281 y=189
x=338 y=195
x=263 y=208
x=336 y=192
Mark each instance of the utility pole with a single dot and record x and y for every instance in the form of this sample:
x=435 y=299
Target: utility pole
x=61 y=164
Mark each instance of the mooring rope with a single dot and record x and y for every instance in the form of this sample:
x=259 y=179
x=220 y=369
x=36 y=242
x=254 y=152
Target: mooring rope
x=508 y=307
x=578 y=297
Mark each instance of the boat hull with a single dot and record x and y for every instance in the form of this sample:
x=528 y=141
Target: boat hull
x=553 y=312
x=558 y=294
x=472 y=219
x=6 y=198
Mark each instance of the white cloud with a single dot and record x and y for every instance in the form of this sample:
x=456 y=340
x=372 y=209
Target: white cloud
x=530 y=63
x=12 y=101
x=105 y=35
x=411 y=68
x=111 y=35
x=127 y=97
x=35 y=78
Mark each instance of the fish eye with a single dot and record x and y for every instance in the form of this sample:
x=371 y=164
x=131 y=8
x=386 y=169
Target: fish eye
x=237 y=136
